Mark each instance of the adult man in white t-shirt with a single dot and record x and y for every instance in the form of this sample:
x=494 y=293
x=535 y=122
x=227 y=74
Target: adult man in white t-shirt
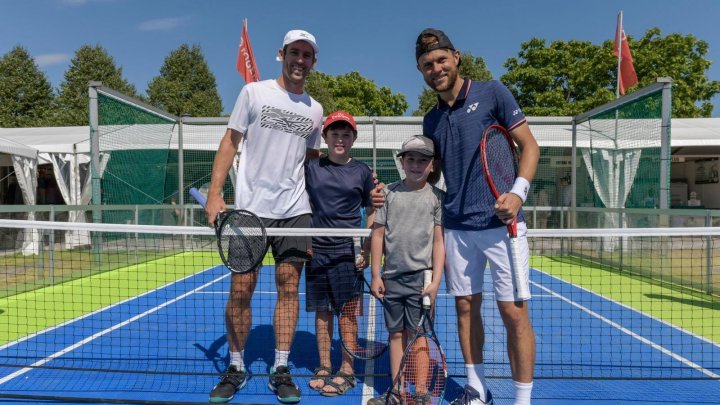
x=278 y=125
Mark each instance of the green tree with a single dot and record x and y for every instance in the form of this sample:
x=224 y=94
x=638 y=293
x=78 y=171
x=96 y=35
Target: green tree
x=565 y=78
x=26 y=96
x=89 y=63
x=186 y=85
x=319 y=85
x=471 y=67
x=355 y=94
x=684 y=59
x=569 y=77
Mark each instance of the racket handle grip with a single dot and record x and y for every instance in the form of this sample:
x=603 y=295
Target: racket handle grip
x=197 y=195
x=427 y=279
x=520 y=272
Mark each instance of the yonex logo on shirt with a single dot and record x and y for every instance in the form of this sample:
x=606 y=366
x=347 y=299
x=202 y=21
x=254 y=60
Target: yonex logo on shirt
x=472 y=107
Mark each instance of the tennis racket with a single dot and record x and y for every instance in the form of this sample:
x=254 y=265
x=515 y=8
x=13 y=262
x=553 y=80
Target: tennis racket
x=241 y=237
x=423 y=369
x=361 y=322
x=500 y=164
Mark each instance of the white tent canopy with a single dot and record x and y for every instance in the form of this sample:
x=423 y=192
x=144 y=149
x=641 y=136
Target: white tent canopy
x=55 y=145
x=686 y=133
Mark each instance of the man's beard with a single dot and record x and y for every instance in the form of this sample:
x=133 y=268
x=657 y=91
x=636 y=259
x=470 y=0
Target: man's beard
x=451 y=78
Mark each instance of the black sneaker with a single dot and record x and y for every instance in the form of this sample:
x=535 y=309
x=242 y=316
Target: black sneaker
x=282 y=385
x=231 y=381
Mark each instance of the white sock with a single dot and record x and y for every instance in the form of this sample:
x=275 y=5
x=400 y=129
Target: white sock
x=523 y=392
x=476 y=378
x=281 y=357
x=236 y=359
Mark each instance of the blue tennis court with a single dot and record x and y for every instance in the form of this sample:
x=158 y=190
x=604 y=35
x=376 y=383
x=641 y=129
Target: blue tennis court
x=590 y=350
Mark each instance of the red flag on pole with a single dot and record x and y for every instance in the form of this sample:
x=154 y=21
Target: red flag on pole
x=245 y=60
x=626 y=71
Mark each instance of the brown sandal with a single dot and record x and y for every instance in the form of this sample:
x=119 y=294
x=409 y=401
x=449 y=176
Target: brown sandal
x=320 y=377
x=348 y=383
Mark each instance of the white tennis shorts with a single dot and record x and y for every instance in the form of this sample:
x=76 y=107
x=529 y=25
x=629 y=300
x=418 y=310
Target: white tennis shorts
x=467 y=256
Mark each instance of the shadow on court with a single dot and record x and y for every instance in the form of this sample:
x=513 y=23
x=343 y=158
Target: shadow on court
x=212 y=353
x=715 y=306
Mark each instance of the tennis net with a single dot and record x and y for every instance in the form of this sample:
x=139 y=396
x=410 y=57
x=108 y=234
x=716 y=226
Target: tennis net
x=129 y=299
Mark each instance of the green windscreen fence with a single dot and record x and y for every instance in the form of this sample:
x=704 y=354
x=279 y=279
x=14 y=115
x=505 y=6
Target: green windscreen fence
x=148 y=158
x=138 y=157
x=619 y=160
x=200 y=142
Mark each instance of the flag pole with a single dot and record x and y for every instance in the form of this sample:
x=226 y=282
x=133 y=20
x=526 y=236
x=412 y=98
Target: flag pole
x=618 y=45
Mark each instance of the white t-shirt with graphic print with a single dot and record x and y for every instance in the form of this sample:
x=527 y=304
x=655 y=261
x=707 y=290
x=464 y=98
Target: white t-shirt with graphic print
x=278 y=127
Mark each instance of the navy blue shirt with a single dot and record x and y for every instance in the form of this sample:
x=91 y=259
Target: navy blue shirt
x=457 y=132
x=337 y=192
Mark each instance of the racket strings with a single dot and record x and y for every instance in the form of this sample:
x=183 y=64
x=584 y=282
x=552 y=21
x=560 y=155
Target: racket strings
x=424 y=373
x=363 y=319
x=502 y=164
x=242 y=240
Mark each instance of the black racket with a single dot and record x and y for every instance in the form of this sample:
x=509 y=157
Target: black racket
x=241 y=237
x=361 y=322
x=422 y=376
x=500 y=164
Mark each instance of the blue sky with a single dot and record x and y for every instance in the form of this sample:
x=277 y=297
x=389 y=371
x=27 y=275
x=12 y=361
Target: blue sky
x=375 y=38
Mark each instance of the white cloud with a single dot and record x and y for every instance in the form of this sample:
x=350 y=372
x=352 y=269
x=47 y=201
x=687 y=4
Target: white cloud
x=48 y=59
x=162 y=24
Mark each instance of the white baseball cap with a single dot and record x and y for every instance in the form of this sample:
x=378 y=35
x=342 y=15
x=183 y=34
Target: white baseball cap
x=300 y=35
x=420 y=144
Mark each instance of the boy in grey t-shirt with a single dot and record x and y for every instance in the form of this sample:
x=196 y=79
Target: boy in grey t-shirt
x=408 y=231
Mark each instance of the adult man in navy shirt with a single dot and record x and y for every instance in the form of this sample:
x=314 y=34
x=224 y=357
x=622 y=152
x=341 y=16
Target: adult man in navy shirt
x=475 y=231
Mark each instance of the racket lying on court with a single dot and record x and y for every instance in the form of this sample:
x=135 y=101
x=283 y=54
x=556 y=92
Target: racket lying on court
x=423 y=370
x=241 y=237
x=361 y=323
x=500 y=164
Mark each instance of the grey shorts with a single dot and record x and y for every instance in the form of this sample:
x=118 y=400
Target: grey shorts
x=290 y=248
x=403 y=301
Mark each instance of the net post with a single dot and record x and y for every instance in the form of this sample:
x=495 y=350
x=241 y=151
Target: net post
x=137 y=236
x=665 y=151
x=95 y=164
x=181 y=179
x=181 y=167
x=94 y=144
x=374 y=145
x=573 y=176
x=708 y=255
x=51 y=250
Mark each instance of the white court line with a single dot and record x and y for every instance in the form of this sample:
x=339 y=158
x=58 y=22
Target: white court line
x=369 y=381
x=104 y=332
x=627 y=331
x=97 y=311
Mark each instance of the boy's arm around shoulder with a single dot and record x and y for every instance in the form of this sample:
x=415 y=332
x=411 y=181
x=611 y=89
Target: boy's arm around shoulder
x=438 y=251
x=377 y=242
x=438 y=260
x=370 y=221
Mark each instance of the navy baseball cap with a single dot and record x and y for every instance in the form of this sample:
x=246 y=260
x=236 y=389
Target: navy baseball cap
x=423 y=47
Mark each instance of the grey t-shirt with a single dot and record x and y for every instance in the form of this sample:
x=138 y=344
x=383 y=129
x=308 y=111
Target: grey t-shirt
x=409 y=218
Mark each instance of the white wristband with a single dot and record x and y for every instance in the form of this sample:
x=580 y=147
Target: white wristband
x=521 y=188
